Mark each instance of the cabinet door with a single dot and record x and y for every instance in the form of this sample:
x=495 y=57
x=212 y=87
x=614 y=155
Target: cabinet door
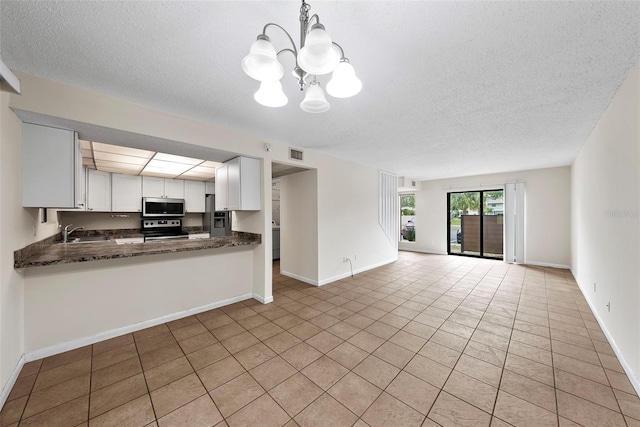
x=49 y=167
x=152 y=186
x=233 y=179
x=250 y=184
x=174 y=188
x=126 y=193
x=222 y=188
x=209 y=187
x=81 y=176
x=98 y=191
x=194 y=196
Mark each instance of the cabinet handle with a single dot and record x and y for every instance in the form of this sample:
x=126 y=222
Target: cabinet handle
x=90 y=209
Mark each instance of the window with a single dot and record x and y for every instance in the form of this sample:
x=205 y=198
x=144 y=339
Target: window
x=407 y=217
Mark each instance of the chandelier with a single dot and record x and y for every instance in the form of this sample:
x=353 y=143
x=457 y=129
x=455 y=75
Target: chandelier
x=318 y=55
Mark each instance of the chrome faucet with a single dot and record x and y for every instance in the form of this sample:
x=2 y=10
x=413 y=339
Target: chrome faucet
x=66 y=232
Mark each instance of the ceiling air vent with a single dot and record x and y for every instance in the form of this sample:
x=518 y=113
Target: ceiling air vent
x=295 y=154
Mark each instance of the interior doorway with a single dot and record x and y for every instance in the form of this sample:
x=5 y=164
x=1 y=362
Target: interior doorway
x=475 y=225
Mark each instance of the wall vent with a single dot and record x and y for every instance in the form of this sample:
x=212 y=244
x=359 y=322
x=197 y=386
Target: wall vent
x=295 y=154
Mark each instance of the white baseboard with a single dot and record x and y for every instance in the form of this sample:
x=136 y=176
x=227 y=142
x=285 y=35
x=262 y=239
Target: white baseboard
x=81 y=342
x=356 y=271
x=300 y=278
x=422 y=251
x=263 y=300
x=547 y=264
x=625 y=365
x=6 y=390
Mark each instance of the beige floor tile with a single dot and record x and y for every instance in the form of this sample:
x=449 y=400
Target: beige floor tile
x=227 y=331
x=347 y=355
x=387 y=410
x=173 y=395
x=62 y=373
x=112 y=343
x=12 y=411
x=301 y=355
x=492 y=340
x=286 y=322
x=138 y=412
x=206 y=356
x=428 y=370
x=253 y=321
x=22 y=386
x=263 y=409
x=58 y=394
x=160 y=356
x=325 y=411
x=580 y=368
x=619 y=381
x=114 y=395
x=586 y=389
x=324 y=372
x=586 y=413
x=529 y=368
x=146 y=345
x=72 y=413
x=235 y=394
x=343 y=330
x=448 y=410
x=366 y=341
x=167 y=373
x=527 y=389
x=65 y=358
x=305 y=330
x=377 y=371
x=472 y=391
x=381 y=330
x=413 y=392
x=486 y=353
x=295 y=393
x=183 y=322
x=201 y=412
x=355 y=393
x=197 y=342
x=324 y=341
x=629 y=404
x=447 y=339
x=189 y=331
x=239 y=342
x=272 y=372
x=479 y=370
x=113 y=356
x=114 y=373
x=530 y=352
x=441 y=354
x=419 y=329
x=254 y=355
x=218 y=373
x=150 y=332
x=394 y=354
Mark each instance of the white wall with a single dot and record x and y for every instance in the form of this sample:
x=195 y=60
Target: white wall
x=68 y=302
x=348 y=221
x=605 y=243
x=547 y=212
x=18 y=228
x=299 y=226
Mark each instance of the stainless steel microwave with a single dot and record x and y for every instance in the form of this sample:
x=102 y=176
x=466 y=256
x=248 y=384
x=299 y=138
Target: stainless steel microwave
x=162 y=207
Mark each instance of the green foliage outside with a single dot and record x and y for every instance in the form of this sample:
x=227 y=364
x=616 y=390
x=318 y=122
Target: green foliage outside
x=408 y=211
x=463 y=203
x=411 y=235
x=408 y=201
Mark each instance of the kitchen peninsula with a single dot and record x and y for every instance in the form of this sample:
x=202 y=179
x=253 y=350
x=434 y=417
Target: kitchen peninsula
x=50 y=251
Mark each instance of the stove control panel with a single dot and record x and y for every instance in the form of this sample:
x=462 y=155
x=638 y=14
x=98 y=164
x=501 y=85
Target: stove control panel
x=160 y=223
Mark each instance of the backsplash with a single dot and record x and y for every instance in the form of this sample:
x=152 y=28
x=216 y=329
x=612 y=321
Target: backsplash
x=112 y=220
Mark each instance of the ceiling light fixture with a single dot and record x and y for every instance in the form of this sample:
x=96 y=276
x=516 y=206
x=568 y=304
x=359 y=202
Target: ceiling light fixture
x=318 y=55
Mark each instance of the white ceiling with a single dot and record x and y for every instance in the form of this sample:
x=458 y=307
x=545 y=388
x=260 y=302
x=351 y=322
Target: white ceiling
x=450 y=88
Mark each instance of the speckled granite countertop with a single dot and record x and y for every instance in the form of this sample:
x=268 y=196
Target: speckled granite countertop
x=47 y=252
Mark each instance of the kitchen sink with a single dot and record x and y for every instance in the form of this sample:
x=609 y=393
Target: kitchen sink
x=87 y=239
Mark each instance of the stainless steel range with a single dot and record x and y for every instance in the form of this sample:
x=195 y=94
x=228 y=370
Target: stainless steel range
x=163 y=229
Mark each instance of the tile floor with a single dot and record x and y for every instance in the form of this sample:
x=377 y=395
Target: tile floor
x=429 y=340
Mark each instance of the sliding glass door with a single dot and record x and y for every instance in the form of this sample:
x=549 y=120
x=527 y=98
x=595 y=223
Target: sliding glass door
x=475 y=226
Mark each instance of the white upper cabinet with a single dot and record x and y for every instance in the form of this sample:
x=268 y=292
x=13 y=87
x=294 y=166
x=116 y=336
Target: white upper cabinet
x=194 y=196
x=162 y=187
x=52 y=175
x=126 y=193
x=238 y=184
x=98 y=191
x=174 y=188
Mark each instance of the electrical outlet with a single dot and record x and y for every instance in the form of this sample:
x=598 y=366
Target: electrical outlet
x=609 y=306
x=355 y=257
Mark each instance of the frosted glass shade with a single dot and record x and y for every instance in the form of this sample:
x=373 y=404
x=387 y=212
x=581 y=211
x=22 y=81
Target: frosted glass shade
x=314 y=100
x=270 y=94
x=262 y=62
x=344 y=83
x=318 y=56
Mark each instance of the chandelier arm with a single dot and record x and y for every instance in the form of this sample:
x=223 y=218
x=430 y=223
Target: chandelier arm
x=271 y=24
x=341 y=50
x=289 y=50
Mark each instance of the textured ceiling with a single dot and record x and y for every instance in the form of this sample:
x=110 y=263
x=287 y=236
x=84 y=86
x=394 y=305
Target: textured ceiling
x=450 y=88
